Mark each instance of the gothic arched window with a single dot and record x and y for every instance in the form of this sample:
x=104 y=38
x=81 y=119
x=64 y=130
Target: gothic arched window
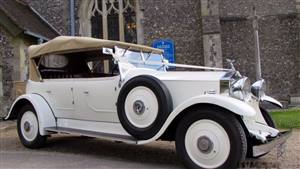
x=110 y=19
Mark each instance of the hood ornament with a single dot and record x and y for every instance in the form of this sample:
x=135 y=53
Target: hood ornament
x=230 y=62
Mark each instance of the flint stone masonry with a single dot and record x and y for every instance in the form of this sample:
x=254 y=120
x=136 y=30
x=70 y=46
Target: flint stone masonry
x=177 y=20
x=263 y=7
x=279 y=40
x=7 y=60
x=56 y=12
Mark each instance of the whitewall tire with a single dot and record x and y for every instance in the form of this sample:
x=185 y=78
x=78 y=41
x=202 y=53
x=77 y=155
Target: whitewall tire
x=28 y=128
x=210 y=138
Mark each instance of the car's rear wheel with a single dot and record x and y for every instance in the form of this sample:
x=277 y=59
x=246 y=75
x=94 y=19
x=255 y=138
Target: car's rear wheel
x=144 y=104
x=210 y=138
x=28 y=128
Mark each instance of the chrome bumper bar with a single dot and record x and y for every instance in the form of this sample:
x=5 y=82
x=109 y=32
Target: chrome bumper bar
x=267 y=147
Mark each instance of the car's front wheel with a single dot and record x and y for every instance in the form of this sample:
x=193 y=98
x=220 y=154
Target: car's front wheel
x=210 y=138
x=28 y=128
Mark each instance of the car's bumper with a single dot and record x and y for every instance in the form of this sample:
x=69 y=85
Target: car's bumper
x=267 y=147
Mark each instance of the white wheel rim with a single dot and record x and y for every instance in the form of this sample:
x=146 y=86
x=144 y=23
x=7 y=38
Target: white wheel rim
x=218 y=150
x=29 y=126
x=147 y=100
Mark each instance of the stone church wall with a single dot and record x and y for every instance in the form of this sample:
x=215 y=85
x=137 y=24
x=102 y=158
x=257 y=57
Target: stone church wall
x=279 y=42
x=177 y=20
x=7 y=60
x=56 y=12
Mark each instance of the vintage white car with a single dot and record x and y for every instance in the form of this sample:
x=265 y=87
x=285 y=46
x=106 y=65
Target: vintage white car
x=127 y=92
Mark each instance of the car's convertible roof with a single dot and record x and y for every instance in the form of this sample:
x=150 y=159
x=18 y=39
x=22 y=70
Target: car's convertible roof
x=67 y=44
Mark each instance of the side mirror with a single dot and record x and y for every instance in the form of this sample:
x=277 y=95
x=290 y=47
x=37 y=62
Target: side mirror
x=108 y=51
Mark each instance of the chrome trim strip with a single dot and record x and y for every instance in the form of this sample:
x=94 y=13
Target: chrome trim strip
x=265 y=148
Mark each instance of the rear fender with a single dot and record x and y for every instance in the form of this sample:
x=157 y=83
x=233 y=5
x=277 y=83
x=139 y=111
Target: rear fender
x=44 y=113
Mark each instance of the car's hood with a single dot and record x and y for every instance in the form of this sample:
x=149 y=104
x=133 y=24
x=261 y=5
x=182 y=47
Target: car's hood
x=192 y=76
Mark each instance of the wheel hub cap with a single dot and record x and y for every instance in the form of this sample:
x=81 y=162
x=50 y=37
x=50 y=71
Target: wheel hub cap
x=27 y=126
x=139 y=107
x=205 y=145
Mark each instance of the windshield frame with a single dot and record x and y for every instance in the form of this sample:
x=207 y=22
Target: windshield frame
x=141 y=61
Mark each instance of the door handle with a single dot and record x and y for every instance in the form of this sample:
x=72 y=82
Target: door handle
x=86 y=92
x=48 y=91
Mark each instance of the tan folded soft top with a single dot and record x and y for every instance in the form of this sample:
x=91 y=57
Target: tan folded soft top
x=66 y=44
x=69 y=44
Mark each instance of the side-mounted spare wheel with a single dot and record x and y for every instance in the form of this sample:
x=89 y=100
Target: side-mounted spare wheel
x=144 y=104
x=210 y=138
x=28 y=128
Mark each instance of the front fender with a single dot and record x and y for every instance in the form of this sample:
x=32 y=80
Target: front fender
x=43 y=111
x=234 y=105
x=271 y=100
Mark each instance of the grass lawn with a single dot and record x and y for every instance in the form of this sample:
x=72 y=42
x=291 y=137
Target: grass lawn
x=287 y=119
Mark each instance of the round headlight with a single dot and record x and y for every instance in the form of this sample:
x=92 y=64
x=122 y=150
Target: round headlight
x=240 y=89
x=258 y=88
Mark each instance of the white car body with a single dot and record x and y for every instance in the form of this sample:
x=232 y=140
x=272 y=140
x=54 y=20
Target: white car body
x=87 y=106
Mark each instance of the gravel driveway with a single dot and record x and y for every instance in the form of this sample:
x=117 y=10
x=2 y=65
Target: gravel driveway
x=82 y=152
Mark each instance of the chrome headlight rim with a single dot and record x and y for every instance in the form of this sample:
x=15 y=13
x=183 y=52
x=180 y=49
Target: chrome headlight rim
x=258 y=89
x=241 y=89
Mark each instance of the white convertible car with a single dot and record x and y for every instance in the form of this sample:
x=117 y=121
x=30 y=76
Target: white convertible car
x=125 y=92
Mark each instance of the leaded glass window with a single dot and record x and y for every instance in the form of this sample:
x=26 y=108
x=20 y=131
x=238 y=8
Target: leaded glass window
x=114 y=20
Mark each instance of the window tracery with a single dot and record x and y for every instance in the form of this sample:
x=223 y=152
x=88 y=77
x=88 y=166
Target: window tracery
x=113 y=20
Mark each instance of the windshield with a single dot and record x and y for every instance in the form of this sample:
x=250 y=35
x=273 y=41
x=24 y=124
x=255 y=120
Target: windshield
x=141 y=59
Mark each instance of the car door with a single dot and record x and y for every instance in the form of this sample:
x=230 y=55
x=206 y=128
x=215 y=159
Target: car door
x=58 y=88
x=95 y=99
x=59 y=92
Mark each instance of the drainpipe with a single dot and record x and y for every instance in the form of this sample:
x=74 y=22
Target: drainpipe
x=72 y=18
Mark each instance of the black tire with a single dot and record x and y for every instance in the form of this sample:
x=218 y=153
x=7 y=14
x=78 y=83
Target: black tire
x=39 y=140
x=234 y=130
x=165 y=106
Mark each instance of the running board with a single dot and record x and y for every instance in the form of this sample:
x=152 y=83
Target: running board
x=109 y=136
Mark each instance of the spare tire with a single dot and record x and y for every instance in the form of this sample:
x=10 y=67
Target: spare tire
x=144 y=104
